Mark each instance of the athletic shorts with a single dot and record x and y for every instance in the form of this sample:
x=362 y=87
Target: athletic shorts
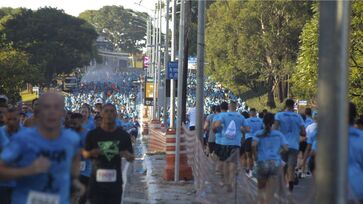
x=302 y=146
x=212 y=147
x=290 y=157
x=5 y=195
x=229 y=153
x=85 y=181
x=266 y=169
x=248 y=145
x=105 y=198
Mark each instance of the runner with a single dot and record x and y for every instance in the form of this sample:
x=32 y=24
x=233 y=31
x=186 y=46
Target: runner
x=255 y=124
x=232 y=123
x=31 y=121
x=43 y=160
x=11 y=127
x=192 y=117
x=105 y=146
x=355 y=162
x=88 y=122
x=76 y=120
x=3 y=109
x=292 y=126
x=267 y=145
x=208 y=128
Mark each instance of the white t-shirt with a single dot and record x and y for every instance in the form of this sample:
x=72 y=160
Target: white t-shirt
x=192 y=116
x=311 y=128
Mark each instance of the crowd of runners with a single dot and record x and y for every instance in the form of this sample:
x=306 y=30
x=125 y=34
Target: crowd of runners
x=52 y=155
x=69 y=149
x=275 y=148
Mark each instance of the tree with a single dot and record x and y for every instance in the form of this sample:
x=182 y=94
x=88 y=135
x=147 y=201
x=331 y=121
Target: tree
x=15 y=72
x=306 y=74
x=252 y=46
x=124 y=27
x=56 y=42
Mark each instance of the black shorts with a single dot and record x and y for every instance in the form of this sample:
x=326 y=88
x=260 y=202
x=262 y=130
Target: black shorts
x=105 y=198
x=311 y=164
x=290 y=157
x=85 y=181
x=248 y=145
x=302 y=146
x=5 y=195
x=229 y=153
x=217 y=150
x=212 y=147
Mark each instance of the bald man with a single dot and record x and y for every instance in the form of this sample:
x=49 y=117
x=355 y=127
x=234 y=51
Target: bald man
x=44 y=159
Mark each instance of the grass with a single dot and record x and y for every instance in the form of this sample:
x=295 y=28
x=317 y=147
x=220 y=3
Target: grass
x=260 y=103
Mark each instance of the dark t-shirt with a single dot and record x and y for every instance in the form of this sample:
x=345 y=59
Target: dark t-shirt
x=106 y=174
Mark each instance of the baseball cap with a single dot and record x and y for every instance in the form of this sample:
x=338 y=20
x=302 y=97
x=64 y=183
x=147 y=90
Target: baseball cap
x=99 y=101
x=3 y=99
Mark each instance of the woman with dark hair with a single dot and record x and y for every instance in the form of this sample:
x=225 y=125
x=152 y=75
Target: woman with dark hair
x=267 y=145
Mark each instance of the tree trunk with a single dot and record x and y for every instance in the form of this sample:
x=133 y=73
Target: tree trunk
x=270 y=95
x=281 y=91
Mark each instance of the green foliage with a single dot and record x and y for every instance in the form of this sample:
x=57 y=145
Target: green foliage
x=56 y=42
x=252 y=46
x=124 y=27
x=306 y=75
x=15 y=72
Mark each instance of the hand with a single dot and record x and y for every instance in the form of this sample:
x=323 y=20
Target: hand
x=40 y=165
x=95 y=153
x=128 y=156
x=79 y=187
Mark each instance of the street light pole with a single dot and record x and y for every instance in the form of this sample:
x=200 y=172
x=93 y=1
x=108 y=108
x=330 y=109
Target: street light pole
x=166 y=59
x=331 y=173
x=180 y=89
x=159 y=63
x=173 y=57
x=154 y=67
x=200 y=71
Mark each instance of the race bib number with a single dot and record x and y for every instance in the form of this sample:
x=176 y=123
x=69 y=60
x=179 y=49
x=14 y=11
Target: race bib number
x=106 y=175
x=35 y=197
x=82 y=166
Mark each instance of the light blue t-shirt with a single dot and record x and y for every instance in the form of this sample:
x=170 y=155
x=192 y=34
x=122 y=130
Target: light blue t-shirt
x=218 y=133
x=255 y=124
x=290 y=126
x=119 y=122
x=355 y=165
x=26 y=146
x=226 y=119
x=4 y=141
x=312 y=140
x=90 y=125
x=268 y=147
x=86 y=164
x=308 y=121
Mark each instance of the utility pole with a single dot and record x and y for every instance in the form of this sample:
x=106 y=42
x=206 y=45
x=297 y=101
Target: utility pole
x=200 y=71
x=159 y=62
x=173 y=57
x=166 y=59
x=154 y=67
x=180 y=89
x=331 y=173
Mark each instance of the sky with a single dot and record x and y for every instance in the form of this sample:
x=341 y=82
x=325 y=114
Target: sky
x=75 y=7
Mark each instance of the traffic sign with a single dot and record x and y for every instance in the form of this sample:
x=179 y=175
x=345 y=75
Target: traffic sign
x=172 y=71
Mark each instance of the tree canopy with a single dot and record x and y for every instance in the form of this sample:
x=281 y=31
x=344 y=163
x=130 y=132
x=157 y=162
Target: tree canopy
x=124 y=27
x=54 y=41
x=252 y=46
x=306 y=74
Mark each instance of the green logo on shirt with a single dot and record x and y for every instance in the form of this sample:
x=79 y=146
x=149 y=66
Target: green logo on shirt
x=109 y=149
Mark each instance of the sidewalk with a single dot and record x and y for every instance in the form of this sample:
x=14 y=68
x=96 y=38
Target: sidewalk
x=145 y=183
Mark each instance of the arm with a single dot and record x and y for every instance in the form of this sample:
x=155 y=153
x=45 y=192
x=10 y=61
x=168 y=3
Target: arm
x=302 y=131
x=216 y=125
x=254 y=149
x=40 y=165
x=206 y=125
